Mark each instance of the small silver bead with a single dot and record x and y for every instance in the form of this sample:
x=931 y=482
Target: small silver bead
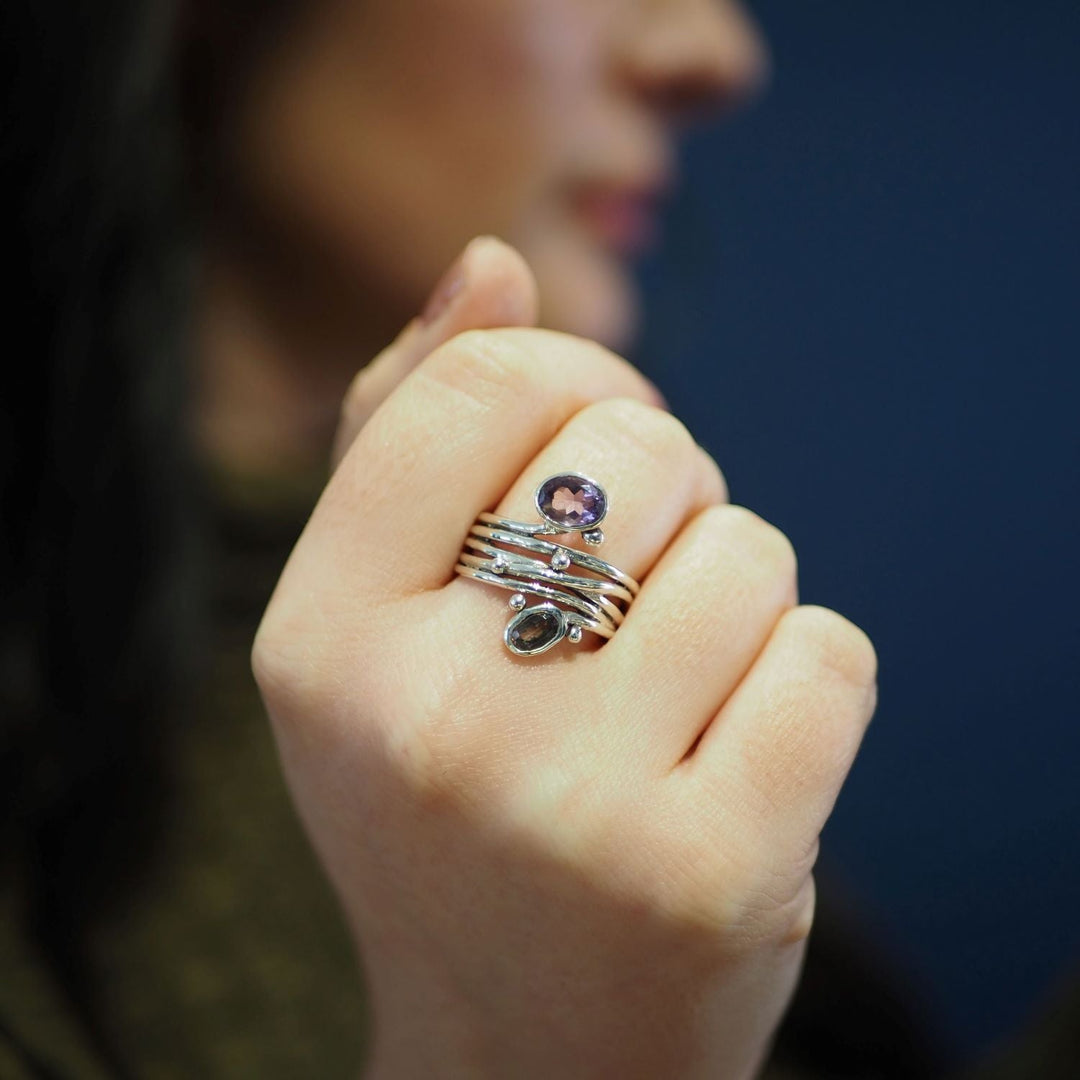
x=560 y=560
x=498 y=565
x=517 y=601
x=593 y=536
x=574 y=634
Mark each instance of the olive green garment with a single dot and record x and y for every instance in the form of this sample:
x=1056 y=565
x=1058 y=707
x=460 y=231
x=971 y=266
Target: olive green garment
x=234 y=960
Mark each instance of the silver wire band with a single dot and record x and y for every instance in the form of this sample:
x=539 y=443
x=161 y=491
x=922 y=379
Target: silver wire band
x=500 y=551
x=522 y=564
x=521 y=532
x=586 y=622
x=557 y=586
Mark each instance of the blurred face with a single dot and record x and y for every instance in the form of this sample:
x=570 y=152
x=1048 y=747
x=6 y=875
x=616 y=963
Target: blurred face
x=380 y=135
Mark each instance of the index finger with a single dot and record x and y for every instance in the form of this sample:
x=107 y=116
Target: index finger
x=446 y=444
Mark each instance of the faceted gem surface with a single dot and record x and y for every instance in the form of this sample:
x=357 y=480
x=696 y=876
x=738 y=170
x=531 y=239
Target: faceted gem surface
x=570 y=501
x=534 y=630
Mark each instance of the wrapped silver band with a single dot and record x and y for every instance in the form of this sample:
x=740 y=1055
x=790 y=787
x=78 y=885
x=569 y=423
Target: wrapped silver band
x=579 y=591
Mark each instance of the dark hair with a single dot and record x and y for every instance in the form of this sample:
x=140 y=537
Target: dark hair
x=111 y=124
x=93 y=474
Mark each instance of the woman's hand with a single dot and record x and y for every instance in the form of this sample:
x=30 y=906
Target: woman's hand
x=597 y=861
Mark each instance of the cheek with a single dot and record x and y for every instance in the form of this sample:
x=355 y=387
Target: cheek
x=394 y=130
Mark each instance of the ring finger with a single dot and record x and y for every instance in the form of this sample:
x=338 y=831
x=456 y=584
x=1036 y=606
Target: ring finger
x=654 y=474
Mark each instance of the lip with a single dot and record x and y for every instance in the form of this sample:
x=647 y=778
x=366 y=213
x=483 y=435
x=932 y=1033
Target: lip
x=623 y=216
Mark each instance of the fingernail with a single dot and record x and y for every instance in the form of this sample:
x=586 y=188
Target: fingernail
x=448 y=286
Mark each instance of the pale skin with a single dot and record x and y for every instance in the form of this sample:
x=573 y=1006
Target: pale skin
x=592 y=863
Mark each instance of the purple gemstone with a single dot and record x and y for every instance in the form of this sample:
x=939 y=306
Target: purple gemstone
x=571 y=502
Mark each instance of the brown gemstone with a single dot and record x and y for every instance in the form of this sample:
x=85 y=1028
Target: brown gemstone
x=534 y=630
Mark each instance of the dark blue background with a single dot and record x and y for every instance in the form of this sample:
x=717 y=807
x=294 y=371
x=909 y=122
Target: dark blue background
x=867 y=310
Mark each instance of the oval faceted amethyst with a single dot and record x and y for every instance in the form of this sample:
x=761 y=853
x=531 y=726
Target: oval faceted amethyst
x=571 y=502
x=535 y=630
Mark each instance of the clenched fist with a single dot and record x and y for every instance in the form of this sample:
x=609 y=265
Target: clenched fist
x=591 y=863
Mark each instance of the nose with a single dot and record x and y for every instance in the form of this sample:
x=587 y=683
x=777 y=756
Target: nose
x=694 y=57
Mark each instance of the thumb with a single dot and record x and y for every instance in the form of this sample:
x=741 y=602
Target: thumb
x=488 y=285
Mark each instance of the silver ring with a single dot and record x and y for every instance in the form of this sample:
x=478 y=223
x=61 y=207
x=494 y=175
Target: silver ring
x=578 y=590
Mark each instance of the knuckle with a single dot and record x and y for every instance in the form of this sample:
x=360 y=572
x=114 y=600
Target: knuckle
x=263 y=662
x=836 y=643
x=576 y=353
x=769 y=901
x=511 y=366
x=798 y=916
x=295 y=659
x=271 y=666
x=641 y=428
x=762 y=539
x=486 y=366
x=732 y=902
